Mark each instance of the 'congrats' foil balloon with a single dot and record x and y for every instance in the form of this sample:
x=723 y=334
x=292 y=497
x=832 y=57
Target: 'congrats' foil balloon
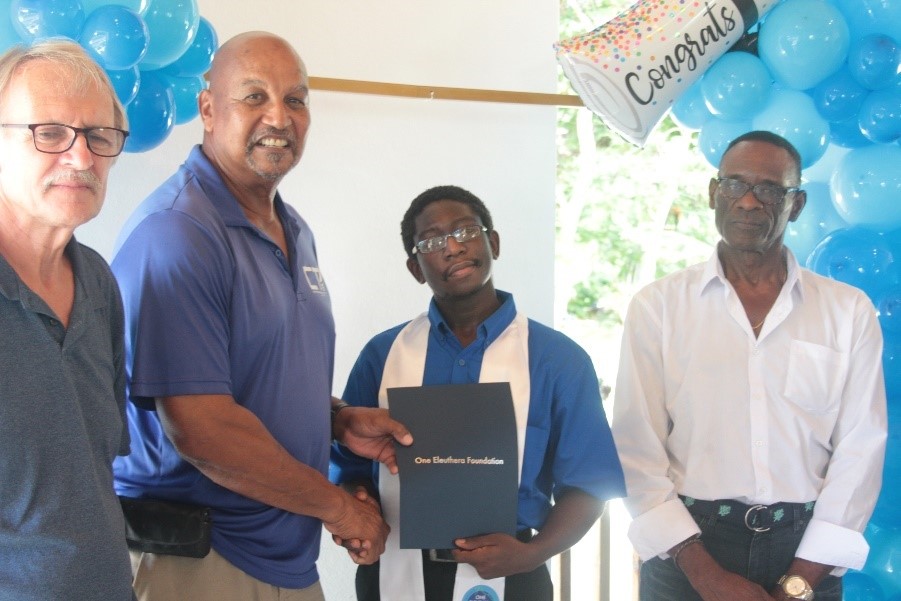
x=630 y=70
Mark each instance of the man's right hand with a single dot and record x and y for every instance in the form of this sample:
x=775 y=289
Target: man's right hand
x=359 y=527
x=712 y=582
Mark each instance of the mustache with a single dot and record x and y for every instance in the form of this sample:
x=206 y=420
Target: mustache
x=85 y=178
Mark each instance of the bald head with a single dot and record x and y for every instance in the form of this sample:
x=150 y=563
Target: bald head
x=255 y=112
x=248 y=45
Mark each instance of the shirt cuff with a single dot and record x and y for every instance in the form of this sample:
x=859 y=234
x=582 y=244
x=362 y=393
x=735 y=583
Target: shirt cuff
x=658 y=530
x=833 y=545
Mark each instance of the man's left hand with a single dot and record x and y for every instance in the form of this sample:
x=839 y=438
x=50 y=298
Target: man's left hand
x=371 y=433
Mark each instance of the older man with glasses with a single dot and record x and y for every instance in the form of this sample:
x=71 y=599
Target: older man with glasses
x=62 y=389
x=750 y=406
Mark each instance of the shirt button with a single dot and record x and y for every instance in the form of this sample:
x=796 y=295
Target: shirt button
x=758 y=443
x=278 y=252
x=52 y=322
x=461 y=362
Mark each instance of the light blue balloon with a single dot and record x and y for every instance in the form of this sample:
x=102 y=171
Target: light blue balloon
x=857 y=586
x=839 y=96
x=866 y=187
x=151 y=115
x=197 y=58
x=803 y=41
x=133 y=5
x=865 y=17
x=8 y=35
x=689 y=110
x=715 y=136
x=879 y=117
x=736 y=86
x=875 y=61
x=847 y=134
x=857 y=256
x=884 y=560
x=172 y=25
x=792 y=115
x=37 y=19
x=818 y=219
x=125 y=83
x=116 y=36
x=185 y=91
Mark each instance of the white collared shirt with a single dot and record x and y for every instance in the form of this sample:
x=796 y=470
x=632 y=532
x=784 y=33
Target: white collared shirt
x=702 y=408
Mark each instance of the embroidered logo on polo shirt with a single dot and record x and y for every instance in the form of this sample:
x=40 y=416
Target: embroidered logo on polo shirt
x=315 y=279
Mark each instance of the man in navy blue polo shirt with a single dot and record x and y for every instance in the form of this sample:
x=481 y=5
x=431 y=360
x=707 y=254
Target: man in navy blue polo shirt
x=230 y=349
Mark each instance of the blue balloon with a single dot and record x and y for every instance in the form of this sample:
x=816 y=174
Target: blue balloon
x=125 y=83
x=172 y=25
x=884 y=561
x=116 y=36
x=875 y=61
x=133 y=5
x=847 y=134
x=818 y=219
x=803 y=41
x=37 y=19
x=792 y=115
x=715 y=136
x=736 y=86
x=839 y=96
x=197 y=58
x=689 y=110
x=9 y=37
x=185 y=91
x=151 y=115
x=866 y=17
x=857 y=586
x=857 y=256
x=891 y=367
x=879 y=118
x=866 y=187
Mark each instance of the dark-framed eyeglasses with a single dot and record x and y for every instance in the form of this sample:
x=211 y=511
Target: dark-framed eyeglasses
x=769 y=194
x=436 y=243
x=56 y=138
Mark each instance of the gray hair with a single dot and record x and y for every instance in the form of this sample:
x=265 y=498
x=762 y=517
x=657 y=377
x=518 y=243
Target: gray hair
x=81 y=68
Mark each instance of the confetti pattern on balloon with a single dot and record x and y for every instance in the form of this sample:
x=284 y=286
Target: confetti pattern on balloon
x=630 y=70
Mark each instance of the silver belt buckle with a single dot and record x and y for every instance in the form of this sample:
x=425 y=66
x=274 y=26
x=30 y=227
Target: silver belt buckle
x=748 y=515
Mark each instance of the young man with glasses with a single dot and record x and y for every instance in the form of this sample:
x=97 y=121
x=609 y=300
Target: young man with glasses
x=750 y=406
x=471 y=333
x=62 y=389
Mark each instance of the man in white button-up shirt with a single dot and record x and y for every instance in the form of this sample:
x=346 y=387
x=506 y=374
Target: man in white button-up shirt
x=750 y=406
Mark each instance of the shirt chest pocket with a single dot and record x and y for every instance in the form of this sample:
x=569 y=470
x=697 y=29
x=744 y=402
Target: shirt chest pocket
x=815 y=377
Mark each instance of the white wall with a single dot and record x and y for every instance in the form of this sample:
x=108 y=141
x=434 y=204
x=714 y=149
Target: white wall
x=368 y=156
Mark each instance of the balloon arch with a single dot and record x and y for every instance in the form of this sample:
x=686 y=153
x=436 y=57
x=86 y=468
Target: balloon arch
x=824 y=74
x=154 y=51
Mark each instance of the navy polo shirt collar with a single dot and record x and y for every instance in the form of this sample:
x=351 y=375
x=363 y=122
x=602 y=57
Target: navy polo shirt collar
x=224 y=201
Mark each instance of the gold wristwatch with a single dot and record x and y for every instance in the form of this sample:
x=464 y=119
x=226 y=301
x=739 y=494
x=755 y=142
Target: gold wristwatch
x=796 y=587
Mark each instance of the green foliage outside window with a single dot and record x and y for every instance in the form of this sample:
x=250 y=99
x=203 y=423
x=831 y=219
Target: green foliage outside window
x=625 y=216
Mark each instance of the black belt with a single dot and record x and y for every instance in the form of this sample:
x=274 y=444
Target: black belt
x=758 y=518
x=523 y=536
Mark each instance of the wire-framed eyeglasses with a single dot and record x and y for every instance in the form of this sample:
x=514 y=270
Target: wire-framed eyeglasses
x=436 y=243
x=768 y=194
x=56 y=138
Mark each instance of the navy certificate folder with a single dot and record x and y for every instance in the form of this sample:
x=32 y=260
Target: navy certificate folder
x=460 y=476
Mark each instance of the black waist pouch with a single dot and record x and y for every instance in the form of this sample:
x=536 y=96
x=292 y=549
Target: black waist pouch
x=166 y=528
